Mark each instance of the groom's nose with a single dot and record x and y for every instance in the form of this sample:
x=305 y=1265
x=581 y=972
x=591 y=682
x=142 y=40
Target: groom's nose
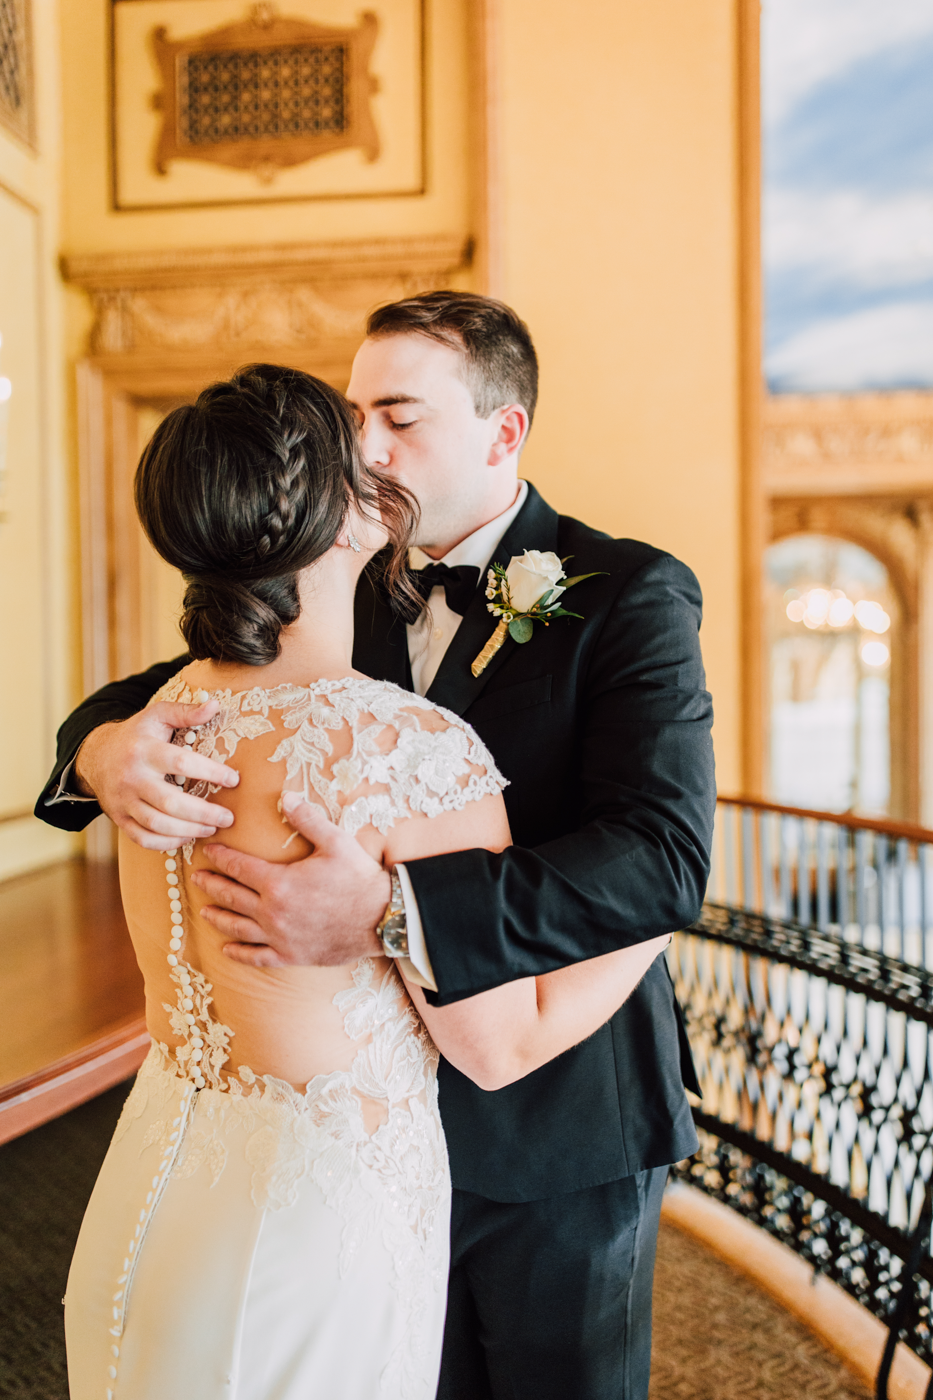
x=375 y=442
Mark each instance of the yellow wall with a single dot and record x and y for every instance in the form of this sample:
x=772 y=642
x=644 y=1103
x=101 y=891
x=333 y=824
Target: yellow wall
x=614 y=128
x=36 y=529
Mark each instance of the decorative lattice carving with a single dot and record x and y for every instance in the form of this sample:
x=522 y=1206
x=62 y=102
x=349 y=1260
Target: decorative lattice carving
x=249 y=94
x=15 y=74
x=266 y=93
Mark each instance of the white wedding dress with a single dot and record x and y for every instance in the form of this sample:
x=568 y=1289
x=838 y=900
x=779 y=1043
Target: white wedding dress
x=271 y=1220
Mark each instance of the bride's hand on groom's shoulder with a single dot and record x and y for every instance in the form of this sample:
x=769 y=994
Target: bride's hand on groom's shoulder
x=124 y=765
x=320 y=911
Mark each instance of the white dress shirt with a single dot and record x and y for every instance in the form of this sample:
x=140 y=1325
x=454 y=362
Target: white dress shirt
x=432 y=634
x=428 y=640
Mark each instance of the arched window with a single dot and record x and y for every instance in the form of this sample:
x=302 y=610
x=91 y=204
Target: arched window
x=833 y=633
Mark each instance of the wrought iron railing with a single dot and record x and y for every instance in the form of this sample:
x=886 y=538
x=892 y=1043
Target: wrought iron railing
x=807 y=985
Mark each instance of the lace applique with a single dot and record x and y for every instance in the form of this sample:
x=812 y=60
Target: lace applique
x=412 y=768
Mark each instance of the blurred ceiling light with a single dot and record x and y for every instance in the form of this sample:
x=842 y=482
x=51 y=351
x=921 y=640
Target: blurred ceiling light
x=840 y=611
x=818 y=601
x=875 y=654
x=6 y=388
x=872 y=616
x=820 y=606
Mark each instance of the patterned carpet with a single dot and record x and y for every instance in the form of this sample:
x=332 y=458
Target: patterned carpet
x=716 y=1336
x=46 y=1178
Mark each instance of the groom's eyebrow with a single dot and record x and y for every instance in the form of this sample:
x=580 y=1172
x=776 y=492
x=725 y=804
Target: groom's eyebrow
x=391 y=399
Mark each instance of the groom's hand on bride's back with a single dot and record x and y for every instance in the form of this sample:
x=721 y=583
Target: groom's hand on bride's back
x=320 y=911
x=124 y=765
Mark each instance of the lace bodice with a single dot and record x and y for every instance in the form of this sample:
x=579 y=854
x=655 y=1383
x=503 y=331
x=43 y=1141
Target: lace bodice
x=372 y=755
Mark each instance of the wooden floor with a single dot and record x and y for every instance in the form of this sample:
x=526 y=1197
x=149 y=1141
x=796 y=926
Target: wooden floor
x=72 y=993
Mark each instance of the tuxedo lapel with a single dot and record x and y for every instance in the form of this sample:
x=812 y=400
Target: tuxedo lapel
x=380 y=641
x=455 y=687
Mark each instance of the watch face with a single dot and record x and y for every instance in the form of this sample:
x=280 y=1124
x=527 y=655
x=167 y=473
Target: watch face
x=395 y=939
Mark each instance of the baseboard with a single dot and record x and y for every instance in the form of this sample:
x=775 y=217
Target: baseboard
x=109 y=1059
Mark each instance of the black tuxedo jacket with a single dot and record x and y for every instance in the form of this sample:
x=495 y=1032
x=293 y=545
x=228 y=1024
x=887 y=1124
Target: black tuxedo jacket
x=602 y=727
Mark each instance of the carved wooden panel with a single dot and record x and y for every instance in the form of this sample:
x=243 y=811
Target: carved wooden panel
x=220 y=102
x=16 y=95
x=266 y=93
x=848 y=444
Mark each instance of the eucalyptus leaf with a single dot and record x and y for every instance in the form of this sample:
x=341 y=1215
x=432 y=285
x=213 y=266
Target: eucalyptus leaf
x=578 y=578
x=521 y=628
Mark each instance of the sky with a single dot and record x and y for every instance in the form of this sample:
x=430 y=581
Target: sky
x=847 y=109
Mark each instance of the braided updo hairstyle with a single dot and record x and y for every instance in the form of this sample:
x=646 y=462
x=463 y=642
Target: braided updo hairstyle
x=250 y=485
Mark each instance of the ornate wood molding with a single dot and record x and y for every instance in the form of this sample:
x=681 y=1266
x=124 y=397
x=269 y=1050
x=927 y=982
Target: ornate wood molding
x=237 y=299
x=853 y=444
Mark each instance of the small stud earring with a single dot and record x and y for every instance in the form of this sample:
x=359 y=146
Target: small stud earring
x=354 y=543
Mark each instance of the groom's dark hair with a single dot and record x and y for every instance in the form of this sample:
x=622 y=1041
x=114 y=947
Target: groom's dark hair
x=500 y=364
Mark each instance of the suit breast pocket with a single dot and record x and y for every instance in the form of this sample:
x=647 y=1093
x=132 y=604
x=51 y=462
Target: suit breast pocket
x=510 y=699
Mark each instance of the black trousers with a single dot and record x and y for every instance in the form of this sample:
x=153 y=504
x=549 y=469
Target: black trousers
x=551 y=1299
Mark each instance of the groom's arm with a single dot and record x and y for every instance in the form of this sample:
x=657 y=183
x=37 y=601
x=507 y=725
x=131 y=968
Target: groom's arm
x=637 y=862
x=63 y=805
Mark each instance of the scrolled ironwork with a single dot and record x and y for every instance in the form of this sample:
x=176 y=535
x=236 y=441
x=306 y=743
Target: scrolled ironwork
x=814 y=1050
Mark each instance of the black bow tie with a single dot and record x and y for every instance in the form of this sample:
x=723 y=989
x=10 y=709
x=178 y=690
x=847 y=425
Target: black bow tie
x=459 y=583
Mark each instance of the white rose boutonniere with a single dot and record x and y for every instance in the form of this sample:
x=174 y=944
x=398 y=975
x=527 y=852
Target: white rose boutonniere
x=523 y=594
x=531 y=575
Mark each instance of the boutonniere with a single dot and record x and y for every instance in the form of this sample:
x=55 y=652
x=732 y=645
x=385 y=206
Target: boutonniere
x=523 y=594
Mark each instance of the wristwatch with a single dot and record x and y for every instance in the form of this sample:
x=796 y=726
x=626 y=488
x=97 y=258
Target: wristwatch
x=392 y=928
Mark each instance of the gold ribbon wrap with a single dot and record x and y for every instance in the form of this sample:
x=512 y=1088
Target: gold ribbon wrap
x=490 y=649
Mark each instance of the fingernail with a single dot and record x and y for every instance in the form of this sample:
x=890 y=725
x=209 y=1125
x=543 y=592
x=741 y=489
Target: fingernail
x=291 y=800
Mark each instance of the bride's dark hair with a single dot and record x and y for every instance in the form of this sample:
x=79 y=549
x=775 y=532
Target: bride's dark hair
x=246 y=487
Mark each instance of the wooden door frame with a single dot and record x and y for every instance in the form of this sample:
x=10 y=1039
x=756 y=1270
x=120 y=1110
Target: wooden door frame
x=752 y=506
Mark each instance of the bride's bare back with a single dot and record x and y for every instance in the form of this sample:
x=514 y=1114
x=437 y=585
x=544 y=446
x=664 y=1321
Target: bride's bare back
x=376 y=758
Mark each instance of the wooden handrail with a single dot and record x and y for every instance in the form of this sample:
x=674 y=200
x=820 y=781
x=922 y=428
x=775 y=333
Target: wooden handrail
x=904 y=830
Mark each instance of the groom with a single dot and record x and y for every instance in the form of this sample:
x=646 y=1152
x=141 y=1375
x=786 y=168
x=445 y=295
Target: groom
x=602 y=726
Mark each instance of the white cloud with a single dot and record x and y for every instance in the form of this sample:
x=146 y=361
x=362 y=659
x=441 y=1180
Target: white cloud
x=806 y=42
x=886 y=346
x=848 y=235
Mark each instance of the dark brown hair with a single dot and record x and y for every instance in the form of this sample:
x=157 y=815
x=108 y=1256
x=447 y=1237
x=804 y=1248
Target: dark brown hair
x=246 y=487
x=500 y=364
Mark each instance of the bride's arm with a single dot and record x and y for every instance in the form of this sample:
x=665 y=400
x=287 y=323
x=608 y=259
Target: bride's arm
x=503 y=1034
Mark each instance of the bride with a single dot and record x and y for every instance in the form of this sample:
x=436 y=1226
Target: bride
x=271 y=1220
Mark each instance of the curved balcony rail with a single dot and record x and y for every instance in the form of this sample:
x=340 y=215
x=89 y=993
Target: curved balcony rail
x=807 y=984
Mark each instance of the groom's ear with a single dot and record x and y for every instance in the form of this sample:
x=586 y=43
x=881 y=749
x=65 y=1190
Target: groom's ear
x=511 y=434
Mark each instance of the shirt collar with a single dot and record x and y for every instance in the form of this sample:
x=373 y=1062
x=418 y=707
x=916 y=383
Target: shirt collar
x=477 y=549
